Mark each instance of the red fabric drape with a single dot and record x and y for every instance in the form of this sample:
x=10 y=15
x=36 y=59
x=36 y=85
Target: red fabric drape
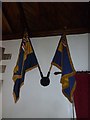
x=81 y=95
x=89 y=95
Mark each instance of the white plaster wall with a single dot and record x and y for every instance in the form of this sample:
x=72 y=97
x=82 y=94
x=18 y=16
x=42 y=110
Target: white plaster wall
x=0 y=100
x=0 y=83
x=35 y=100
x=1 y=60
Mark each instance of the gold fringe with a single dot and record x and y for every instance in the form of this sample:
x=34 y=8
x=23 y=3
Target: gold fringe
x=64 y=79
x=70 y=58
x=15 y=77
x=31 y=68
x=22 y=84
x=60 y=48
x=67 y=76
x=14 y=95
x=70 y=98
x=65 y=83
x=56 y=65
x=28 y=50
x=16 y=69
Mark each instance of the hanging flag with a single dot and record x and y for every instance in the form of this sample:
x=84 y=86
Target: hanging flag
x=26 y=61
x=62 y=60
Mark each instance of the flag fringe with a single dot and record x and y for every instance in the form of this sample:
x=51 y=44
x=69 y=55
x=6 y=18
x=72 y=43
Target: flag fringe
x=70 y=97
x=56 y=65
x=31 y=68
x=14 y=95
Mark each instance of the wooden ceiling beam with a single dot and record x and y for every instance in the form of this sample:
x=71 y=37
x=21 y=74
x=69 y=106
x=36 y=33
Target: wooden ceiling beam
x=45 y=15
x=22 y=13
x=5 y=21
x=12 y=15
x=33 y=9
x=59 y=32
x=32 y=14
x=0 y=18
x=47 y=33
x=6 y=16
x=44 y=19
x=11 y=36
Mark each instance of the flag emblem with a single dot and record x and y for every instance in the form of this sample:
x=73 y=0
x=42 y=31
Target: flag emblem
x=63 y=61
x=26 y=61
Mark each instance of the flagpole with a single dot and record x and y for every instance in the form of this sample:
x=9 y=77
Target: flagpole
x=49 y=71
x=27 y=29
x=38 y=63
x=40 y=71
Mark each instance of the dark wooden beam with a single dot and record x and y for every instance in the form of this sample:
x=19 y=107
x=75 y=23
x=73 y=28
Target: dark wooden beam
x=24 y=21
x=0 y=19
x=59 y=32
x=7 y=21
x=12 y=14
x=12 y=36
x=33 y=18
x=46 y=33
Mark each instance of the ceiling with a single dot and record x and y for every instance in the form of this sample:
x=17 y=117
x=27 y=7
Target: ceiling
x=43 y=18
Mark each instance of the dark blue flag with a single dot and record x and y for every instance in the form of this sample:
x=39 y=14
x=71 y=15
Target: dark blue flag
x=62 y=60
x=26 y=61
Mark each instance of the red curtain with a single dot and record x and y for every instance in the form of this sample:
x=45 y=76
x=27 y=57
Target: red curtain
x=81 y=95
